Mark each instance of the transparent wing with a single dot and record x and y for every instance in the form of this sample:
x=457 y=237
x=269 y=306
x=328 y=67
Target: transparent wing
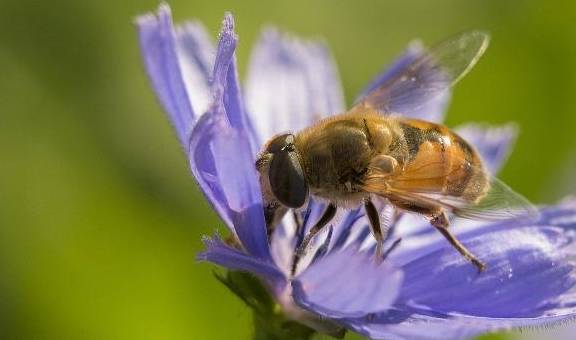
x=428 y=75
x=499 y=203
x=422 y=188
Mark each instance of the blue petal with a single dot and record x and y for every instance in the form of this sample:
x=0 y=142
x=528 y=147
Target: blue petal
x=222 y=162
x=291 y=84
x=221 y=254
x=493 y=143
x=158 y=46
x=347 y=283
x=235 y=167
x=530 y=298
x=202 y=164
x=407 y=102
x=222 y=158
x=395 y=324
x=353 y=228
x=196 y=55
x=529 y=275
x=283 y=244
x=226 y=86
x=345 y=228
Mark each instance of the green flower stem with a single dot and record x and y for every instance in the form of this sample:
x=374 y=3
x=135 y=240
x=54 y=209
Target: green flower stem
x=278 y=328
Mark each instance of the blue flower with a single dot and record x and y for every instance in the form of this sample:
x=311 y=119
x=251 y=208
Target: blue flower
x=425 y=289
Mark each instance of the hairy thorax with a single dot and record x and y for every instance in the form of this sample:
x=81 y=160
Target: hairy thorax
x=336 y=154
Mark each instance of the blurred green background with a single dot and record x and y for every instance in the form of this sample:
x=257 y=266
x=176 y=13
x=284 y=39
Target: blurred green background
x=99 y=218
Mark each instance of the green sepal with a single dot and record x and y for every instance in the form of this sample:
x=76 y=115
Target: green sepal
x=269 y=321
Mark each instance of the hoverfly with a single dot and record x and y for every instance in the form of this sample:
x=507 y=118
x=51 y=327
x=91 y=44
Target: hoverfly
x=373 y=152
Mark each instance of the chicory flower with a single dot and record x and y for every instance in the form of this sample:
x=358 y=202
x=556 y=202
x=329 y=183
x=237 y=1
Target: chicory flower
x=424 y=289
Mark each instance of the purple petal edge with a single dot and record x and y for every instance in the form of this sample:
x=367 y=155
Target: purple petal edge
x=221 y=154
x=216 y=159
x=226 y=86
x=219 y=253
x=158 y=46
x=235 y=168
x=196 y=55
x=400 y=325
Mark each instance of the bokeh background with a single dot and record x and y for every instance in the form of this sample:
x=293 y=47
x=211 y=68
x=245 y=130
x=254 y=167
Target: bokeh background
x=99 y=218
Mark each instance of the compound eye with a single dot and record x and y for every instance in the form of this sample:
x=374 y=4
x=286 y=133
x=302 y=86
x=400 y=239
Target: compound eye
x=287 y=178
x=279 y=142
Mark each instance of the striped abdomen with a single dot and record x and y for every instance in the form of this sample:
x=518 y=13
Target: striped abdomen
x=438 y=161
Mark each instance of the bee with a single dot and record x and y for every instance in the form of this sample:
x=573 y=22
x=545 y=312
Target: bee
x=375 y=152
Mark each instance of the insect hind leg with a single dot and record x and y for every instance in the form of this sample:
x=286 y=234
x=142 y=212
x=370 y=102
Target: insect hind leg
x=440 y=221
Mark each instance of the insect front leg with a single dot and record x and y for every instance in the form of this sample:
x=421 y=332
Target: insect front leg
x=273 y=214
x=375 y=227
x=440 y=221
x=327 y=216
x=297 y=220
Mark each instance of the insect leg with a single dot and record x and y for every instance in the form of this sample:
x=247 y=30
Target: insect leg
x=297 y=219
x=327 y=216
x=394 y=245
x=273 y=213
x=440 y=221
x=375 y=226
x=269 y=212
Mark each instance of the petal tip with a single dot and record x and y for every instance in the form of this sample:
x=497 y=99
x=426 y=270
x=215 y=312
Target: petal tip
x=164 y=9
x=229 y=20
x=164 y=13
x=415 y=47
x=228 y=25
x=144 y=20
x=484 y=35
x=201 y=257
